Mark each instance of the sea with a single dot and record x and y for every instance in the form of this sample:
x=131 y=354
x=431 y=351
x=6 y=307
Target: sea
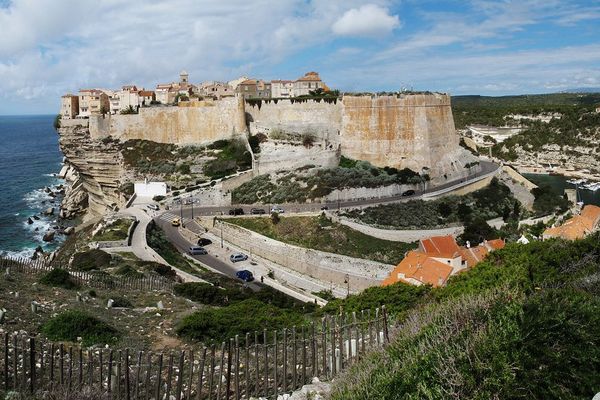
x=30 y=161
x=559 y=183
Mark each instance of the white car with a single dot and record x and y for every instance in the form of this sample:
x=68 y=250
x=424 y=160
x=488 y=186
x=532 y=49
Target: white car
x=277 y=210
x=153 y=207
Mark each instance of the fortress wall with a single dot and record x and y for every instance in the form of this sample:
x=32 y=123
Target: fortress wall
x=412 y=131
x=200 y=123
x=321 y=119
x=275 y=156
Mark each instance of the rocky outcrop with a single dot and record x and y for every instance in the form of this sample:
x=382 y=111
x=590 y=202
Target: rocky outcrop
x=94 y=173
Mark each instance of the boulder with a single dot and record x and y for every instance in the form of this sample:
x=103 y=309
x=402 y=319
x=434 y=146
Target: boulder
x=36 y=217
x=69 y=230
x=29 y=221
x=48 y=236
x=49 y=211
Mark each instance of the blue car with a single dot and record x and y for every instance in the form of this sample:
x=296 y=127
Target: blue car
x=245 y=275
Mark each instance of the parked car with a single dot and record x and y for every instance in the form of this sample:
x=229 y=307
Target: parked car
x=408 y=193
x=256 y=211
x=154 y=207
x=245 y=275
x=324 y=208
x=204 y=242
x=197 y=250
x=235 y=257
x=176 y=222
x=277 y=210
x=236 y=211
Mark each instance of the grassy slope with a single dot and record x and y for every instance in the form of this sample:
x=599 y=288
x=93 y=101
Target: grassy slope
x=118 y=230
x=524 y=324
x=321 y=234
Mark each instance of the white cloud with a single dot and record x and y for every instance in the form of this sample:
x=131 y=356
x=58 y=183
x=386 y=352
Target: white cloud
x=368 y=20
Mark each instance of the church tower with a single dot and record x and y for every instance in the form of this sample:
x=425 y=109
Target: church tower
x=183 y=77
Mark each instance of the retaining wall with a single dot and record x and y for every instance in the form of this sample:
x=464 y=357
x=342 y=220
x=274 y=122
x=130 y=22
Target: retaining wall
x=327 y=267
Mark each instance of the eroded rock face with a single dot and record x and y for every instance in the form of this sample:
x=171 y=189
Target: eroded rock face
x=94 y=172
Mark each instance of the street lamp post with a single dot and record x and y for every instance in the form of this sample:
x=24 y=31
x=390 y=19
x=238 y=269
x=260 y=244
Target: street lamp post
x=192 y=207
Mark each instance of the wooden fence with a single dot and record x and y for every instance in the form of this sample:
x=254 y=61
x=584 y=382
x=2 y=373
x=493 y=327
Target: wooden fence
x=93 y=279
x=263 y=364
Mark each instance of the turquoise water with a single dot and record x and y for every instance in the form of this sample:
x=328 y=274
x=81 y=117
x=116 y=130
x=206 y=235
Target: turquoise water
x=559 y=184
x=29 y=159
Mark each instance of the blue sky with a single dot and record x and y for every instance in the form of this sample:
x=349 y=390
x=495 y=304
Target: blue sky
x=50 y=47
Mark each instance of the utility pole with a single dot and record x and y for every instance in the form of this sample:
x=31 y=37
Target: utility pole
x=192 y=207
x=221 y=223
x=347 y=282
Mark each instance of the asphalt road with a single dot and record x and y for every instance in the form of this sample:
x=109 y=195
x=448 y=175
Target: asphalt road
x=226 y=267
x=197 y=210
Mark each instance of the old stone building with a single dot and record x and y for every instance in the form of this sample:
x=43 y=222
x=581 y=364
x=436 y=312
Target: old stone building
x=69 y=106
x=93 y=102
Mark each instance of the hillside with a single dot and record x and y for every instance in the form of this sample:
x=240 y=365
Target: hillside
x=570 y=138
x=525 y=324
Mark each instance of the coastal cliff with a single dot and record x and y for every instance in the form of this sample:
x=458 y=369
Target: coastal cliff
x=94 y=169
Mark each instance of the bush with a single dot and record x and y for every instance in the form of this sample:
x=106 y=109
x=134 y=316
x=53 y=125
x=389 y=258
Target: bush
x=218 y=324
x=71 y=324
x=123 y=302
x=547 y=201
x=204 y=293
x=59 y=277
x=129 y=271
x=94 y=259
x=57 y=119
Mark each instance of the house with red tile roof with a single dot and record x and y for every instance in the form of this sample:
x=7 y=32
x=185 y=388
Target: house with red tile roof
x=437 y=258
x=577 y=227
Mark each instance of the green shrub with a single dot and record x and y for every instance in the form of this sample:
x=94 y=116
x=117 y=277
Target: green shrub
x=57 y=120
x=129 y=271
x=59 y=277
x=204 y=293
x=71 y=324
x=218 y=324
x=119 y=301
x=91 y=260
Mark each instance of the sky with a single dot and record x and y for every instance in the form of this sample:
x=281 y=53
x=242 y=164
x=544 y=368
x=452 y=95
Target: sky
x=51 y=47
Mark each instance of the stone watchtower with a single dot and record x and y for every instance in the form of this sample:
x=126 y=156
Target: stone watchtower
x=183 y=77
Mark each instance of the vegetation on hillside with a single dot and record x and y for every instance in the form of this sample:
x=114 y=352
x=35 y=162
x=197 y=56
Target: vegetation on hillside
x=59 y=277
x=231 y=156
x=117 y=230
x=525 y=323
x=73 y=324
x=320 y=233
x=487 y=203
x=148 y=157
x=311 y=183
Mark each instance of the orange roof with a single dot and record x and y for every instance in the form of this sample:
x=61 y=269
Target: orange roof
x=495 y=244
x=440 y=246
x=146 y=93
x=578 y=226
x=310 y=76
x=249 y=82
x=420 y=267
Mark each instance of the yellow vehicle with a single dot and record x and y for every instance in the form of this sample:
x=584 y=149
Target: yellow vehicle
x=176 y=222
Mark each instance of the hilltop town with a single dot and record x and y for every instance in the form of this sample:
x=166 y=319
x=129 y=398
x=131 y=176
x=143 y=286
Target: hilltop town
x=130 y=98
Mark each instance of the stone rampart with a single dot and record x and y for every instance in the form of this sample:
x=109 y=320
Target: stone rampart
x=327 y=267
x=203 y=123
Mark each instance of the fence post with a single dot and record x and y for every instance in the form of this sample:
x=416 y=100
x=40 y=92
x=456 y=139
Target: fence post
x=256 y=372
x=191 y=377
x=247 y=365
x=148 y=375
x=324 y=346
x=332 y=327
x=169 y=375
x=180 y=376
x=266 y=354
x=294 y=360
x=70 y=380
x=313 y=349
x=62 y=363
x=32 y=365
x=229 y=361
x=127 y=383
x=201 y=373
x=303 y=355
x=109 y=373
x=138 y=373
x=377 y=327
x=80 y=367
x=237 y=366
x=285 y=345
x=386 y=337
x=6 y=361
x=341 y=322
x=158 y=376
x=52 y=366
x=221 y=370
x=212 y=372
x=275 y=384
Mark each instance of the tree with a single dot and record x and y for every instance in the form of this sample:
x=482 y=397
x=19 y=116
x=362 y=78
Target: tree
x=478 y=230
x=516 y=213
x=506 y=212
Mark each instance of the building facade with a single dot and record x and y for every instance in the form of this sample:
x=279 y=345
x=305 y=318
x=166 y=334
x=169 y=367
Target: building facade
x=69 y=106
x=282 y=88
x=309 y=82
x=215 y=89
x=93 y=102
